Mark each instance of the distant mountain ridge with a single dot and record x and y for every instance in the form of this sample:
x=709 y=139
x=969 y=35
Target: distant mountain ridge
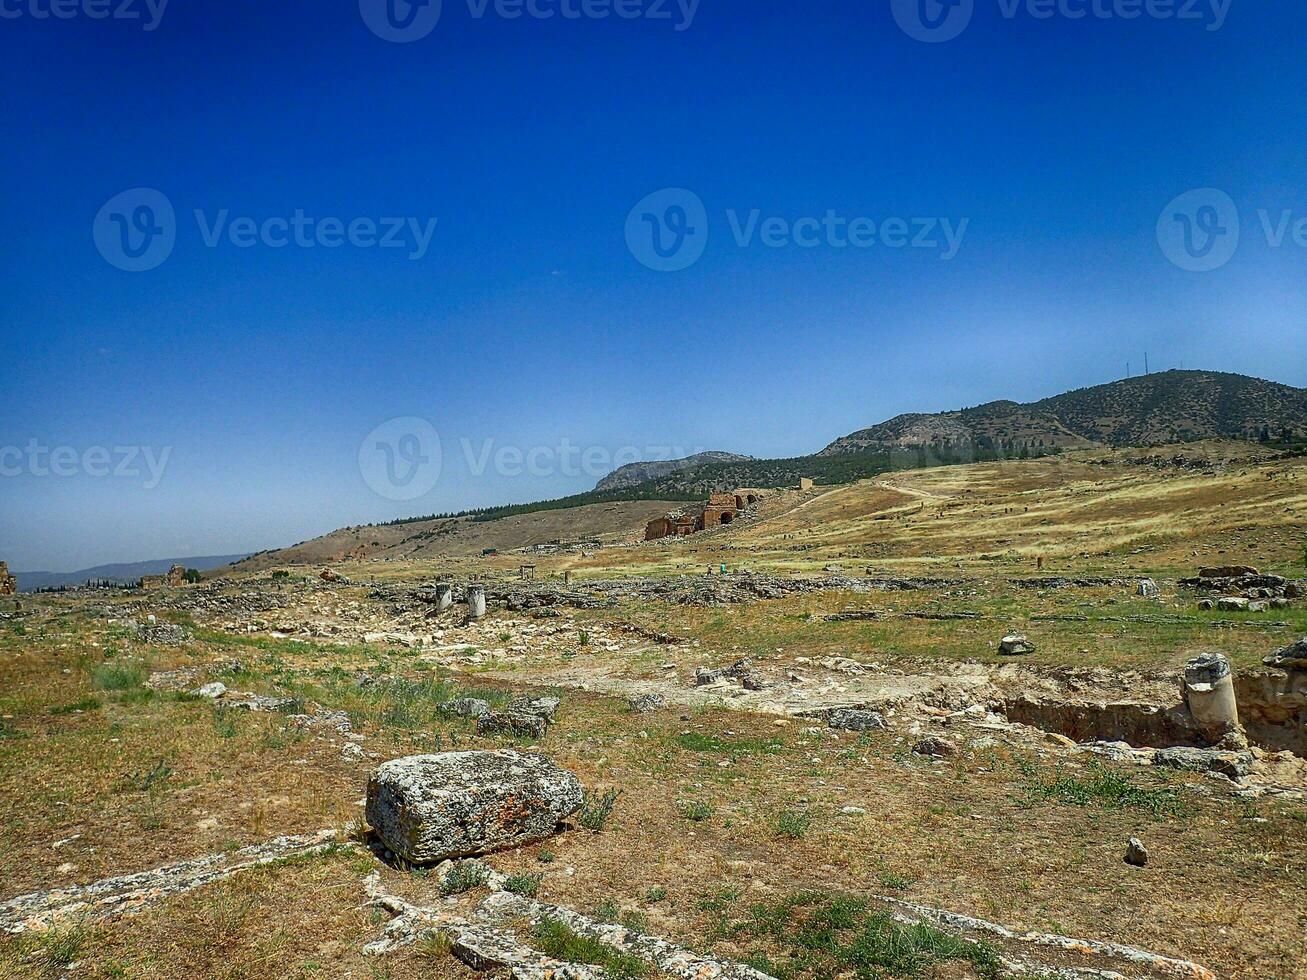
x=633 y=474
x=122 y=572
x=1167 y=407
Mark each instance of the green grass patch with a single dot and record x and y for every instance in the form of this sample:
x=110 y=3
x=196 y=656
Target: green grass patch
x=117 y=677
x=699 y=742
x=820 y=936
x=524 y=885
x=85 y=704
x=556 y=939
x=1103 y=787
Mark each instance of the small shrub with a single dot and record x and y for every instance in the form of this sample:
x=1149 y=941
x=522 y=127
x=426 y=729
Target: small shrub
x=695 y=811
x=896 y=882
x=545 y=856
x=583 y=639
x=595 y=810
x=59 y=948
x=117 y=677
x=655 y=894
x=435 y=946
x=463 y=877
x=793 y=824
x=524 y=885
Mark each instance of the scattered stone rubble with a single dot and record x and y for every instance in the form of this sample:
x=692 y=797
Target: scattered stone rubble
x=487 y=937
x=160 y=634
x=1238 y=587
x=427 y=808
x=122 y=894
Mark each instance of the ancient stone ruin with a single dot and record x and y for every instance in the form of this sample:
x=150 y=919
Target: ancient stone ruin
x=720 y=508
x=176 y=577
x=427 y=808
x=8 y=584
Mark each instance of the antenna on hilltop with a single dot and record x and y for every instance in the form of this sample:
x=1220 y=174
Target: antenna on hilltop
x=1145 y=362
x=1127 y=369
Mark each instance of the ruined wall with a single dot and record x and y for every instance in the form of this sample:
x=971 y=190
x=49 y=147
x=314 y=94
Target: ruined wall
x=8 y=584
x=1273 y=708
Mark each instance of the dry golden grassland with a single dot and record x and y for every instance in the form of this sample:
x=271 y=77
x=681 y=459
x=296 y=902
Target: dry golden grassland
x=720 y=811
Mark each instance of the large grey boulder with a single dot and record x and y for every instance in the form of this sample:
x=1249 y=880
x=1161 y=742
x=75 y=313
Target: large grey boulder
x=427 y=808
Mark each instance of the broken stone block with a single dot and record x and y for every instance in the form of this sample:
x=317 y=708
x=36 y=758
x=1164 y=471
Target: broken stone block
x=1235 y=765
x=511 y=723
x=545 y=707
x=1015 y=645
x=1292 y=657
x=1135 y=853
x=1232 y=604
x=857 y=720
x=1147 y=589
x=643 y=703
x=1227 y=571
x=935 y=746
x=429 y=808
x=213 y=690
x=466 y=707
x=1206 y=605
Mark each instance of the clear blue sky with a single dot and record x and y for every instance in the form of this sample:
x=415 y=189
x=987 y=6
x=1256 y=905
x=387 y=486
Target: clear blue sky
x=528 y=320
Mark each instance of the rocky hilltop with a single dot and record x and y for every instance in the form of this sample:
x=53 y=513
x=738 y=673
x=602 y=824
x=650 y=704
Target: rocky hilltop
x=633 y=474
x=1172 y=406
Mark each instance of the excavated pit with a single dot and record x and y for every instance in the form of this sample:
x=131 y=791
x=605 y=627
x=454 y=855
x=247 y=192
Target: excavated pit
x=1272 y=709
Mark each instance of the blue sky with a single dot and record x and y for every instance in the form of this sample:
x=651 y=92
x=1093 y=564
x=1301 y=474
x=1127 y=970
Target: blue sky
x=254 y=372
